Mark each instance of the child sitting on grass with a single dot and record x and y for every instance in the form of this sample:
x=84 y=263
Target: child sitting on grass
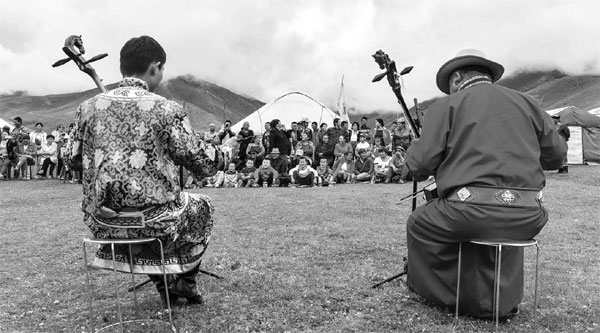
x=230 y=176
x=265 y=175
x=303 y=174
x=324 y=174
x=246 y=175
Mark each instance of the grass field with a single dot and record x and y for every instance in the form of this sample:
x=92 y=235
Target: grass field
x=294 y=260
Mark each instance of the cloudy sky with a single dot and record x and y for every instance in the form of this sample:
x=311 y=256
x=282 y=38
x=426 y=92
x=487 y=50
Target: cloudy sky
x=264 y=48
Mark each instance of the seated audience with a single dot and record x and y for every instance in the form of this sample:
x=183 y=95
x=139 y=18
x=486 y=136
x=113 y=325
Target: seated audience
x=363 y=167
x=255 y=151
x=265 y=175
x=344 y=169
x=362 y=144
x=325 y=150
x=26 y=152
x=324 y=174
x=303 y=174
x=38 y=134
x=246 y=175
x=305 y=148
x=382 y=170
x=48 y=154
x=341 y=147
x=230 y=177
x=400 y=172
x=376 y=146
x=280 y=164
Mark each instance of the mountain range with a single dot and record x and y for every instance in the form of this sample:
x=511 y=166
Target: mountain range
x=206 y=102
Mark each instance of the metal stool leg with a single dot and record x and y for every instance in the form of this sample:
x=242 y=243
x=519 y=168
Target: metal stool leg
x=497 y=284
x=112 y=248
x=135 y=303
x=458 y=281
x=89 y=287
x=537 y=255
x=164 y=271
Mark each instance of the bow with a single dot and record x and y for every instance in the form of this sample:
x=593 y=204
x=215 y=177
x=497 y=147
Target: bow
x=75 y=50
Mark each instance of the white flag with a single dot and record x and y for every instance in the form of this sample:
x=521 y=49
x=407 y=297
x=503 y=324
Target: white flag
x=342 y=104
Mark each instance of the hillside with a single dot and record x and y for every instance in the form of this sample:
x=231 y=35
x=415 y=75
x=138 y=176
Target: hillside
x=206 y=102
x=203 y=101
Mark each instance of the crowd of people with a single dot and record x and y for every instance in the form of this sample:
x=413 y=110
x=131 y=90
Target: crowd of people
x=305 y=155
x=35 y=154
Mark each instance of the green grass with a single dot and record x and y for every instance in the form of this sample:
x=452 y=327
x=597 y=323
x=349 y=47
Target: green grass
x=294 y=260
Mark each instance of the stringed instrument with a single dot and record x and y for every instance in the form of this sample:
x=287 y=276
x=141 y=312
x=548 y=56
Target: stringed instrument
x=393 y=78
x=74 y=50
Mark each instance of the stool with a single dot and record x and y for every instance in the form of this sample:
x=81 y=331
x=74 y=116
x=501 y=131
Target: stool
x=498 y=244
x=128 y=242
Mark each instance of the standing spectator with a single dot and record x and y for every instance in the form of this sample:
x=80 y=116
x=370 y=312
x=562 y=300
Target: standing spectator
x=380 y=132
x=322 y=131
x=212 y=133
x=49 y=156
x=281 y=165
x=266 y=137
x=293 y=134
x=226 y=133
x=324 y=174
x=59 y=133
x=564 y=133
x=363 y=167
x=4 y=160
x=325 y=150
x=402 y=135
x=278 y=139
x=341 y=147
x=19 y=130
x=354 y=133
x=345 y=126
x=303 y=174
x=315 y=133
x=306 y=129
x=382 y=169
x=335 y=132
x=265 y=175
x=246 y=175
x=246 y=134
x=364 y=129
x=38 y=135
x=343 y=168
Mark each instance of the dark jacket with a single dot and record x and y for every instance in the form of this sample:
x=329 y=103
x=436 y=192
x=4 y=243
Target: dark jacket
x=278 y=139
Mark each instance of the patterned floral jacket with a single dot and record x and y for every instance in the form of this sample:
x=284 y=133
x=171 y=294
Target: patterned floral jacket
x=130 y=140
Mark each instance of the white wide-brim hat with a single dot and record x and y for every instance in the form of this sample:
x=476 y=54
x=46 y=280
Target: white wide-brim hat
x=467 y=57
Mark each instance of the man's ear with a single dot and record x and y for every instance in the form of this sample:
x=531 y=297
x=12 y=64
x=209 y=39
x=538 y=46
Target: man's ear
x=154 y=68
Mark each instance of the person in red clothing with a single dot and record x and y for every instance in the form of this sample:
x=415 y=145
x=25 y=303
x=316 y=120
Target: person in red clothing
x=487 y=147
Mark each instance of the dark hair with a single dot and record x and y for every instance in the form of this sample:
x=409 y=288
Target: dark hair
x=381 y=150
x=314 y=123
x=322 y=125
x=138 y=53
x=293 y=122
x=379 y=120
x=39 y=124
x=357 y=124
x=50 y=136
x=227 y=121
x=274 y=123
x=18 y=119
x=364 y=118
x=302 y=158
x=343 y=122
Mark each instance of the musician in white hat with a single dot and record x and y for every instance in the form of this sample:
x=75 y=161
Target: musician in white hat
x=487 y=147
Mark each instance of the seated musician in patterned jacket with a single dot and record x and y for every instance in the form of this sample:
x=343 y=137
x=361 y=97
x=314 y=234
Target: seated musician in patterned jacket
x=131 y=142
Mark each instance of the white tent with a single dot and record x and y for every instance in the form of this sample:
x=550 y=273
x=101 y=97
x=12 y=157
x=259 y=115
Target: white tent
x=584 y=143
x=5 y=123
x=289 y=107
x=595 y=112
